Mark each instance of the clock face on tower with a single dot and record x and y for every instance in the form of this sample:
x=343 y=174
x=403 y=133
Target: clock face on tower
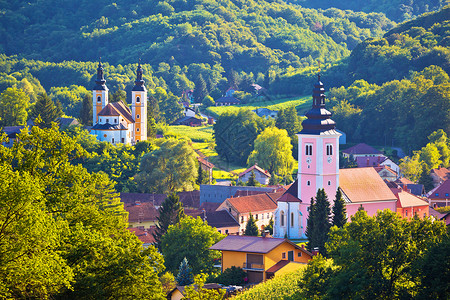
x=308 y=160
x=329 y=159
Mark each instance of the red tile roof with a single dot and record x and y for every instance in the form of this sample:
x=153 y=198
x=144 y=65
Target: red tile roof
x=362 y=149
x=442 y=173
x=364 y=185
x=109 y=110
x=441 y=191
x=141 y=212
x=407 y=199
x=205 y=162
x=403 y=180
x=145 y=236
x=378 y=169
x=371 y=161
x=255 y=167
x=291 y=194
x=123 y=110
x=255 y=203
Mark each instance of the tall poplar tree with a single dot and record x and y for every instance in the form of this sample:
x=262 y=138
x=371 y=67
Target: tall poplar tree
x=170 y=212
x=86 y=111
x=339 y=211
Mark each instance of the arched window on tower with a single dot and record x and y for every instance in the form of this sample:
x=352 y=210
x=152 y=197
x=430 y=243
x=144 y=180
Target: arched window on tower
x=282 y=218
x=292 y=219
x=308 y=149
x=329 y=149
x=99 y=99
x=138 y=99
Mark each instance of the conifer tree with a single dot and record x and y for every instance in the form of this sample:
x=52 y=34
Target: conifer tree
x=151 y=127
x=252 y=179
x=361 y=208
x=200 y=91
x=45 y=108
x=425 y=178
x=184 y=276
x=310 y=227
x=170 y=212
x=86 y=111
x=269 y=226
x=339 y=211
x=251 y=228
x=200 y=174
x=318 y=223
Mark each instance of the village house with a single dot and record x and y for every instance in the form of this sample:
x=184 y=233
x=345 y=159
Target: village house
x=144 y=235
x=439 y=175
x=222 y=220
x=179 y=292
x=386 y=173
x=264 y=112
x=376 y=161
x=188 y=121
x=261 y=257
x=440 y=216
x=206 y=166
x=261 y=206
x=361 y=150
x=141 y=214
x=409 y=205
x=261 y=175
x=440 y=195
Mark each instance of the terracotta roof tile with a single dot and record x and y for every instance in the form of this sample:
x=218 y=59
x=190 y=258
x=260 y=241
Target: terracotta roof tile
x=109 y=110
x=364 y=185
x=255 y=203
x=442 y=173
x=255 y=167
x=145 y=236
x=362 y=149
x=123 y=110
x=278 y=266
x=141 y=212
x=205 y=162
x=409 y=200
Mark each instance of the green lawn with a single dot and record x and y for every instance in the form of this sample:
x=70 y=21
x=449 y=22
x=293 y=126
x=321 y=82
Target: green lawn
x=196 y=134
x=277 y=104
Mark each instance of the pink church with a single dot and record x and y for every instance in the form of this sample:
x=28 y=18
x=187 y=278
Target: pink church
x=318 y=167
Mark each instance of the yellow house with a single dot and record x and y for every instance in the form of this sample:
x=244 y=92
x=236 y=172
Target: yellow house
x=261 y=257
x=141 y=214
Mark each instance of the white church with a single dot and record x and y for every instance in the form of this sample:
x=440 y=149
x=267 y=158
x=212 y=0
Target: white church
x=115 y=122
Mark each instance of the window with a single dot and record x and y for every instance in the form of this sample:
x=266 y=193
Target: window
x=262 y=216
x=256 y=217
x=137 y=129
x=242 y=219
x=437 y=194
x=138 y=116
x=137 y=141
x=107 y=120
x=138 y=100
x=406 y=213
x=424 y=215
x=226 y=231
x=99 y=99
x=329 y=182
x=299 y=254
x=115 y=121
x=329 y=149
x=123 y=140
x=307 y=208
x=268 y=216
x=229 y=209
x=446 y=194
x=292 y=219
x=112 y=140
x=308 y=182
x=220 y=231
x=283 y=255
x=282 y=218
x=308 y=149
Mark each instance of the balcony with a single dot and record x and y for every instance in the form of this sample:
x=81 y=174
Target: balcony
x=253 y=267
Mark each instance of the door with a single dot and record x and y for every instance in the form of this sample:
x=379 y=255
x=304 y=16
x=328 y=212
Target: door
x=291 y=255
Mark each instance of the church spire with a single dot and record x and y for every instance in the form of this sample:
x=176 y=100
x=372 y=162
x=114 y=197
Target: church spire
x=100 y=82
x=139 y=83
x=318 y=117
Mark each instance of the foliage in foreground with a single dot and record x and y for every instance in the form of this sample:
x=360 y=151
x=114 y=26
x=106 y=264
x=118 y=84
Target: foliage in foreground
x=280 y=287
x=378 y=257
x=63 y=230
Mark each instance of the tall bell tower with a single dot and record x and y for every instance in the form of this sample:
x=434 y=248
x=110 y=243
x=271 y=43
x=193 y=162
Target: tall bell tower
x=139 y=106
x=318 y=152
x=100 y=94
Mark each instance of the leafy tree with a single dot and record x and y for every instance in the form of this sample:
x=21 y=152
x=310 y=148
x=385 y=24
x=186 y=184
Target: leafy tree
x=168 y=282
x=273 y=152
x=208 y=101
x=339 y=211
x=190 y=238
x=13 y=107
x=151 y=127
x=119 y=95
x=235 y=133
x=184 y=276
x=321 y=215
x=269 y=226
x=170 y=212
x=86 y=114
x=252 y=180
x=169 y=108
x=375 y=255
x=251 y=228
x=82 y=216
x=425 y=178
x=198 y=292
x=169 y=168
x=46 y=109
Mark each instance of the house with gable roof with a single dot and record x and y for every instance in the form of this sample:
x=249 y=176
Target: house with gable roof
x=261 y=175
x=376 y=161
x=409 y=205
x=439 y=175
x=361 y=150
x=261 y=206
x=261 y=257
x=440 y=195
